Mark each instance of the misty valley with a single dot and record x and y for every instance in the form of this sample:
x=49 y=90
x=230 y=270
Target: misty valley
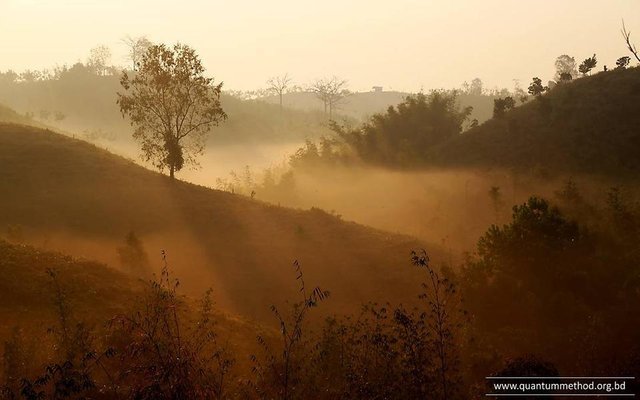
x=167 y=235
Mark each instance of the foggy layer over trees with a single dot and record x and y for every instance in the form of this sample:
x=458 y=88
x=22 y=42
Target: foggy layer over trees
x=516 y=215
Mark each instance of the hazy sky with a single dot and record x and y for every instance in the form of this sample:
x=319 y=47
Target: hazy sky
x=399 y=44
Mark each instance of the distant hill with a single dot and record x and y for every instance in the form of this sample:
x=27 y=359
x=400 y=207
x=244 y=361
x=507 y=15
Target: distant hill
x=8 y=115
x=70 y=195
x=81 y=102
x=362 y=105
x=78 y=101
x=590 y=125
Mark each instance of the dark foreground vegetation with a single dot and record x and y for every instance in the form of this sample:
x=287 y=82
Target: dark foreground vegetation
x=555 y=291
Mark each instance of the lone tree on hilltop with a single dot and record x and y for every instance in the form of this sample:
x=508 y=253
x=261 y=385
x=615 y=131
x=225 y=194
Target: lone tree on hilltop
x=623 y=62
x=172 y=106
x=587 y=65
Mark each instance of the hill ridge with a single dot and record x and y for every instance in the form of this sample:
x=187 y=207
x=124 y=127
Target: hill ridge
x=74 y=195
x=588 y=125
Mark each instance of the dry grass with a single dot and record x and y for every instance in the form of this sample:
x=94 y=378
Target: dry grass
x=73 y=196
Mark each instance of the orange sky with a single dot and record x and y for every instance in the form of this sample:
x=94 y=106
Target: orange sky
x=401 y=44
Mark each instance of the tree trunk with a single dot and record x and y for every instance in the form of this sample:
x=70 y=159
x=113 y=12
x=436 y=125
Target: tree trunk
x=172 y=169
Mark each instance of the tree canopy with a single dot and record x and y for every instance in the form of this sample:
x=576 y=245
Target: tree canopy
x=565 y=68
x=172 y=105
x=588 y=64
x=402 y=135
x=536 y=88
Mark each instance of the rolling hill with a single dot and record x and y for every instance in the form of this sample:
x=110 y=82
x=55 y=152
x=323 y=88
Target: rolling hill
x=26 y=288
x=69 y=195
x=94 y=294
x=8 y=115
x=362 y=105
x=87 y=105
x=590 y=125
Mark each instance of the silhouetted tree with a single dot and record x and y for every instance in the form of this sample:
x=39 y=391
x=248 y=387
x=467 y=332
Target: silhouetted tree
x=496 y=201
x=278 y=85
x=532 y=264
x=59 y=116
x=44 y=115
x=165 y=353
x=502 y=105
x=29 y=76
x=440 y=294
x=627 y=39
x=565 y=68
x=172 y=105
x=99 y=59
x=280 y=373
x=536 y=88
x=404 y=134
x=9 y=77
x=331 y=92
x=476 y=88
x=133 y=256
x=623 y=62
x=587 y=65
x=565 y=77
x=137 y=46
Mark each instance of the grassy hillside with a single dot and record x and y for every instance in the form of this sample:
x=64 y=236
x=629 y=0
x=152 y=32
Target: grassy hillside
x=72 y=196
x=591 y=125
x=26 y=287
x=94 y=294
x=8 y=115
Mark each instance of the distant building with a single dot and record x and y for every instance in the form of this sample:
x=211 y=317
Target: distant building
x=377 y=89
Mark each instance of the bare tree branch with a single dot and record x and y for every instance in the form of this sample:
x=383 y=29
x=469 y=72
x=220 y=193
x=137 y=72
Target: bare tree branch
x=627 y=38
x=278 y=85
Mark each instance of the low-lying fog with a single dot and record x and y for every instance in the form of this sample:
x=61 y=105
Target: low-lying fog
x=449 y=209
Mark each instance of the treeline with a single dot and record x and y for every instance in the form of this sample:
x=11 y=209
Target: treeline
x=81 y=99
x=402 y=137
x=556 y=290
x=586 y=126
